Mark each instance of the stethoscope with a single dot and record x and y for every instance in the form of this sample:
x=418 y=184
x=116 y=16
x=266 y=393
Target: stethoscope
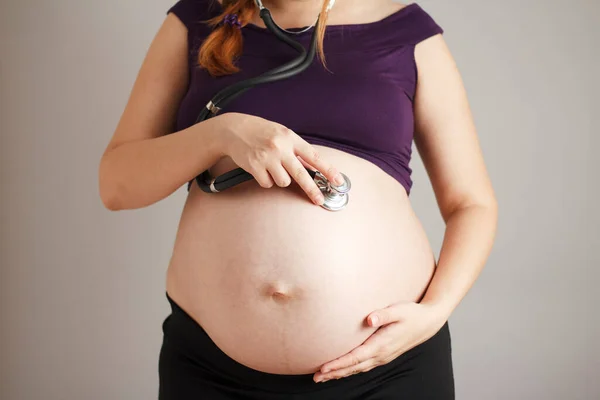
x=335 y=196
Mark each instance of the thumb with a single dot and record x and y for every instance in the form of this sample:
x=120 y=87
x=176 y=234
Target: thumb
x=386 y=315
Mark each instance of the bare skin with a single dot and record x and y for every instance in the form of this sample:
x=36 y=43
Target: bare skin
x=280 y=284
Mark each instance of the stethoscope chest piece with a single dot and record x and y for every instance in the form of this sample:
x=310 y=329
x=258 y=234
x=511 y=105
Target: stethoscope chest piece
x=335 y=197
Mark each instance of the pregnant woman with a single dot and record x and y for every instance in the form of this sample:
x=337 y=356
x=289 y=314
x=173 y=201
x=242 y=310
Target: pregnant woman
x=274 y=296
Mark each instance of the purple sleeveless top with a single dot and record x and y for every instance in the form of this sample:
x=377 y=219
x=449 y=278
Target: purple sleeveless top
x=363 y=105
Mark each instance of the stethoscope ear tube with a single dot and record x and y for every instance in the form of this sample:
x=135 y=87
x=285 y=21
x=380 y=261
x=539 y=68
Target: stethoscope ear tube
x=336 y=197
x=225 y=96
x=285 y=71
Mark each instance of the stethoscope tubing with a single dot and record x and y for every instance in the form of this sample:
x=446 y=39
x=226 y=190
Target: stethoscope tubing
x=225 y=96
x=285 y=71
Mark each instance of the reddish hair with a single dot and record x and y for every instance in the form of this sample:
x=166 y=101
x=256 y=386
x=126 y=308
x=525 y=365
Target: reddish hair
x=223 y=46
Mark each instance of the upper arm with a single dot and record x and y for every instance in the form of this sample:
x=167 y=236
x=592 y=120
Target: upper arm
x=445 y=135
x=151 y=110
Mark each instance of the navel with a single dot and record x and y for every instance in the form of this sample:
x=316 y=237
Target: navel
x=279 y=292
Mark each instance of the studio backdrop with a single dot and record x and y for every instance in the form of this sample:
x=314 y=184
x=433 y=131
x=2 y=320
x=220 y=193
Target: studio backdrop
x=82 y=288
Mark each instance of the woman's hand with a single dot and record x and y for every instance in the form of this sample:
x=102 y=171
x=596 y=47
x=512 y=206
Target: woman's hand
x=269 y=151
x=402 y=326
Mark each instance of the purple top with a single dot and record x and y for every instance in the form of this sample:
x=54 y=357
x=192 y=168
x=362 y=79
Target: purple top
x=363 y=105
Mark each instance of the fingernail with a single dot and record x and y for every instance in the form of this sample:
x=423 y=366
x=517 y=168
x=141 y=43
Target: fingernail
x=339 y=179
x=374 y=320
x=319 y=200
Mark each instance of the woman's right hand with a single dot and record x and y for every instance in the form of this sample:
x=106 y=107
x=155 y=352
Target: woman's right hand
x=269 y=151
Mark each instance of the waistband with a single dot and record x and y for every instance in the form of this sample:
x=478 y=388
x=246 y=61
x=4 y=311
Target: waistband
x=182 y=332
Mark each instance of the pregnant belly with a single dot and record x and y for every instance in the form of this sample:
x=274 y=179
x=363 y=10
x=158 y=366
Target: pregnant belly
x=282 y=285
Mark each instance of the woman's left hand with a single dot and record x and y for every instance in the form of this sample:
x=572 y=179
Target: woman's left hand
x=402 y=326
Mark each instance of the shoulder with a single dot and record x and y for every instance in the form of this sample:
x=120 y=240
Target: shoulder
x=195 y=13
x=400 y=26
x=415 y=24
x=409 y=23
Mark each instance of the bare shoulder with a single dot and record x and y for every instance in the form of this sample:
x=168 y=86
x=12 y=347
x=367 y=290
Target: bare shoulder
x=386 y=8
x=431 y=50
x=393 y=5
x=358 y=11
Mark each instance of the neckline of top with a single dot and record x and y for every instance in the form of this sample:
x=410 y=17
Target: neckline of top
x=396 y=14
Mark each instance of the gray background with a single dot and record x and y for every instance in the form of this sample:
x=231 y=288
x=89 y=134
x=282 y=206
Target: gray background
x=82 y=289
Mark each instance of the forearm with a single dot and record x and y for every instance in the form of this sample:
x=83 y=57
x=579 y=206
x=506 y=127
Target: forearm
x=468 y=240
x=137 y=174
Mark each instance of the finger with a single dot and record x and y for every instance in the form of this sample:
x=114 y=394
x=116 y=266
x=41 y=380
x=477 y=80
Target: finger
x=263 y=178
x=297 y=171
x=307 y=165
x=313 y=158
x=364 y=366
x=357 y=356
x=280 y=175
